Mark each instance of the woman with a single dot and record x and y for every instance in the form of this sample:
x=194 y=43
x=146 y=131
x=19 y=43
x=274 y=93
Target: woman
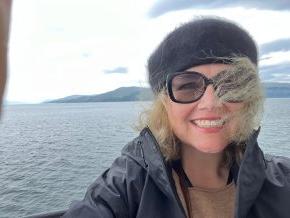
x=198 y=154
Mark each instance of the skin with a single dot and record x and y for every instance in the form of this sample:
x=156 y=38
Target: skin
x=5 y=10
x=202 y=148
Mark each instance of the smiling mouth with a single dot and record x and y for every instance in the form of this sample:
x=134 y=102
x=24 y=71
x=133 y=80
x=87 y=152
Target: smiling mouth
x=209 y=123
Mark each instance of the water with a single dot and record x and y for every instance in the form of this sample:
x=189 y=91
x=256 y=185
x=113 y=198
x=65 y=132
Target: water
x=49 y=154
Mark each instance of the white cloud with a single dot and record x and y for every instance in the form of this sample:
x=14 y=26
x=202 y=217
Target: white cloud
x=275 y=58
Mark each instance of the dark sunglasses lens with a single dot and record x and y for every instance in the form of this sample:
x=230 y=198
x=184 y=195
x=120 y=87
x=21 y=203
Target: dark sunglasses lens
x=187 y=87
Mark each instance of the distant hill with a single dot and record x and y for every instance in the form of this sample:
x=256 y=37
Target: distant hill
x=272 y=90
x=277 y=90
x=120 y=94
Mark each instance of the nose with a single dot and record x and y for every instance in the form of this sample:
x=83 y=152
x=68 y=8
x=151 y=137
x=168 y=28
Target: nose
x=209 y=100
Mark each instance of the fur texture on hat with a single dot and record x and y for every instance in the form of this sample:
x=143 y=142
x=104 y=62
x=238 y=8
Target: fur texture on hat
x=200 y=41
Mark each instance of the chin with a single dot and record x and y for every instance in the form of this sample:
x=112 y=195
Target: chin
x=210 y=148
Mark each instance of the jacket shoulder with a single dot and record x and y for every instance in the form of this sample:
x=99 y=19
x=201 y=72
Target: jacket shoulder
x=116 y=192
x=278 y=168
x=273 y=200
x=134 y=150
x=278 y=161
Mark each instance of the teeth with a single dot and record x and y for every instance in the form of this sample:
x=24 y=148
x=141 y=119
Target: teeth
x=209 y=123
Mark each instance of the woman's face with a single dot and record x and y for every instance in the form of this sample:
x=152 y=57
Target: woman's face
x=207 y=124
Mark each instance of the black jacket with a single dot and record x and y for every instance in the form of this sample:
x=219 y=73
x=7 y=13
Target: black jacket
x=139 y=184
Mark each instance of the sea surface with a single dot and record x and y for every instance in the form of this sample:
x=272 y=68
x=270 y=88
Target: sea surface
x=51 y=153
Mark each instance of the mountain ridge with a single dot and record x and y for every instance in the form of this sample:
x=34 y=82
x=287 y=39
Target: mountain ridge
x=134 y=93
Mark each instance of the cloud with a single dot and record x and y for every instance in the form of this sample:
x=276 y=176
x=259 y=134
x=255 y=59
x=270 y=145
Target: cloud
x=275 y=46
x=270 y=72
x=116 y=70
x=163 y=6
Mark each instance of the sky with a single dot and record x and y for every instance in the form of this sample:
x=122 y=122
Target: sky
x=60 y=48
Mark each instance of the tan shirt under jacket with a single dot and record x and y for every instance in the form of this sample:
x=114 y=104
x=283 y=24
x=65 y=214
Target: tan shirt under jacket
x=208 y=203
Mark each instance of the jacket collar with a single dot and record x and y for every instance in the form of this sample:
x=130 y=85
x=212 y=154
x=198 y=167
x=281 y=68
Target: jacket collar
x=250 y=176
x=154 y=160
x=145 y=151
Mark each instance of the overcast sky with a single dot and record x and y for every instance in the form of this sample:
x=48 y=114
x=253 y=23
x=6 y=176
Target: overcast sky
x=72 y=47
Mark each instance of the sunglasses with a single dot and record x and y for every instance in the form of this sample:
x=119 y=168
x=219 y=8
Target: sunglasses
x=188 y=86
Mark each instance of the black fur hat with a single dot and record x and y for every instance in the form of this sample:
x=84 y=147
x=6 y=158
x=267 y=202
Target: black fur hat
x=198 y=42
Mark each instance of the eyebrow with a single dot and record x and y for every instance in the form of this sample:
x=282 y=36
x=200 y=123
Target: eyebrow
x=219 y=74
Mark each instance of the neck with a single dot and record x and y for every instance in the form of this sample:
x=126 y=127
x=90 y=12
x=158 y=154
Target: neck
x=204 y=169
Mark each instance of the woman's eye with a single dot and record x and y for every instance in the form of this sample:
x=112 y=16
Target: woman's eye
x=234 y=101
x=223 y=89
x=229 y=81
x=187 y=86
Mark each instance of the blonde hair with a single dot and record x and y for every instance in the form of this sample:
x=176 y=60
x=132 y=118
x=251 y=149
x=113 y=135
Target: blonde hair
x=251 y=94
x=156 y=119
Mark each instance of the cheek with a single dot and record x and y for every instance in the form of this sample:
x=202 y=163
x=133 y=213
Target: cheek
x=178 y=114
